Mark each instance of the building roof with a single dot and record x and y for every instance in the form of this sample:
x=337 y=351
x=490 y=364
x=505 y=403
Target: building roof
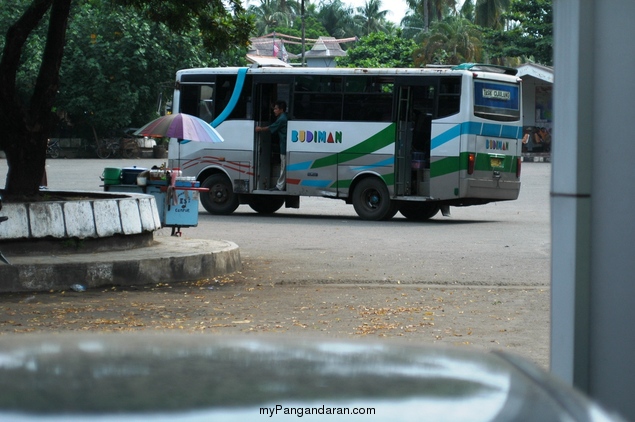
x=325 y=47
x=538 y=71
x=269 y=47
x=266 y=61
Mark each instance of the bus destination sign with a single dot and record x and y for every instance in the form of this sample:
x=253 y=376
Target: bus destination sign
x=496 y=94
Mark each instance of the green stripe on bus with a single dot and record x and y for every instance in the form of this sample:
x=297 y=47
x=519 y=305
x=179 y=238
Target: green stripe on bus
x=483 y=163
x=445 y=166
x=453 y=164
x=376 y=142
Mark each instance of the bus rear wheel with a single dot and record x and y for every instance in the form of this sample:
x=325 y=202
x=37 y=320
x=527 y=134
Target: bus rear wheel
x=418 y=211
x=371 y=200
x=265 y=204
x=221 y=199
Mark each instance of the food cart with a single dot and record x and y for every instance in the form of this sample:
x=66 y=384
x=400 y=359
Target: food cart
x=177 y=197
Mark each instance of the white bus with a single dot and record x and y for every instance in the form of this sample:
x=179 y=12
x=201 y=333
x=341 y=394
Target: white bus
x=384 y=140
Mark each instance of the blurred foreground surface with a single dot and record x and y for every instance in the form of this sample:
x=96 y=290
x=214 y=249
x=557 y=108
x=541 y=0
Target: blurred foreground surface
x=196 y=377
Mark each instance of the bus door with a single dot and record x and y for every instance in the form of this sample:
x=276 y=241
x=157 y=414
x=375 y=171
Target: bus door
x=268 y=90
x=404 y=142
x=412 y=155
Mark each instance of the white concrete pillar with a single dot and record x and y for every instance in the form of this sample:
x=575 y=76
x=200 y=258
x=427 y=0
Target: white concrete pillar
x=593 y=198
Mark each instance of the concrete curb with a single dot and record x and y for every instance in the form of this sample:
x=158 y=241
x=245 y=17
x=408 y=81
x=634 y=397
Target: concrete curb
x=99 y=215
x=167 y=260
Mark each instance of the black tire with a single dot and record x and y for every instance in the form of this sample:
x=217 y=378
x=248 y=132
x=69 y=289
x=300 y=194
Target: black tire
x=54 y=153
x=221 y=199
x=130 y=149
x=418 y=211
x=371 y=200
x=266 y=204
x=103 y=149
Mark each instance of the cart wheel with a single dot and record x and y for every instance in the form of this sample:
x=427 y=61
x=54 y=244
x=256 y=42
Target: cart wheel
x=130 y=149
x=103 y=149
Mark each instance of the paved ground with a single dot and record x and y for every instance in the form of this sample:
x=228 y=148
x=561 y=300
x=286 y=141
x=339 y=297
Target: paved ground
x=484 y=302
x=251 y=302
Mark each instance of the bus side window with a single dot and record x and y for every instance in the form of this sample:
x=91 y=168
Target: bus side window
x=206 y=103
x=449 y=96
x=189 y=99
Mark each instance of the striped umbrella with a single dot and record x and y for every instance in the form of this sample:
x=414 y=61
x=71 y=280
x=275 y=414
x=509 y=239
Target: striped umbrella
x=183 y=126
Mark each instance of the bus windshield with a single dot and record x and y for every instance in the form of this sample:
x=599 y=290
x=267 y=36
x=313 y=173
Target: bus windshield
x=496 y=101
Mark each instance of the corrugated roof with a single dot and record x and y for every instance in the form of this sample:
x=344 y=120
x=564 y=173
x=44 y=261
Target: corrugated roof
x=538 y=71
x=325 y=47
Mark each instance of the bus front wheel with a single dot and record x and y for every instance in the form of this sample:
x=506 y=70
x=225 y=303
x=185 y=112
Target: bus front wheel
x=371 y=200
x=418 y=211
x=221 y=199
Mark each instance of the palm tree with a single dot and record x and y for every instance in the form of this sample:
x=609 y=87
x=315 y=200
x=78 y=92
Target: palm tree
x=454 y=40
x=432 y=10
x=371 y=18
x=467 y=10
x=488 y=13
x=272 y=13
x=337 y=19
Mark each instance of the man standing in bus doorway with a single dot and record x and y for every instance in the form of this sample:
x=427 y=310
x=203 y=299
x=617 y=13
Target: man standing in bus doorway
x=279 y=127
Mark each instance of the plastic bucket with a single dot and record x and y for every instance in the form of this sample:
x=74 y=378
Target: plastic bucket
x=129 y=175
x=111 y=176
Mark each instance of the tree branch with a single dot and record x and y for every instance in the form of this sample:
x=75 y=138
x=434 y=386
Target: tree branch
x=16 y=37
x=47 y=81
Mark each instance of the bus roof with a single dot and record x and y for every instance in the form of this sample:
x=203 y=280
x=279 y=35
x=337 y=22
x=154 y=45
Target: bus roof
x=471 y=68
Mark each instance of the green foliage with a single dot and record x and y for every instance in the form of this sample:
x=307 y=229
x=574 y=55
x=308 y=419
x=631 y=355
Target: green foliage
x=454 y=40
x=531 y=36
x=428 y=11
x=337 y=19
x=221 y=23
x=371 y=17
x=313 y=29
x=117 y=62
x=380 y=50
x=114 y=66
x=490 y=13
x=111 y=54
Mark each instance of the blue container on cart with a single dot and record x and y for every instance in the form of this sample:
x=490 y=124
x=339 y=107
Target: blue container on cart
x=182 y=207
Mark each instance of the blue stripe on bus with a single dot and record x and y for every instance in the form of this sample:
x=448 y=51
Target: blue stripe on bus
x=317 y=183
x=240 y=81
x=299 y=166
x=306 y=165
x=509 y=132
x=447 y=136
x=491 y=130
x=471 y=127
x=476 y=128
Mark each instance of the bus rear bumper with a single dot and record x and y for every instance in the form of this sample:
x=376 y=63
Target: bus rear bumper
x=491 y=189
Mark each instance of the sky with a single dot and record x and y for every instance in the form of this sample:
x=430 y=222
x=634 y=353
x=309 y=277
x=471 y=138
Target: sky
x=398 y=8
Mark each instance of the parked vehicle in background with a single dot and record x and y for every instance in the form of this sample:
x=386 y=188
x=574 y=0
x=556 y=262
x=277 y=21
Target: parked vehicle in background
x=53 y=148
x=118 y=147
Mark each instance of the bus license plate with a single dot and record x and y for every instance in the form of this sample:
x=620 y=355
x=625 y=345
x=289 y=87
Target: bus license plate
x=496 y=161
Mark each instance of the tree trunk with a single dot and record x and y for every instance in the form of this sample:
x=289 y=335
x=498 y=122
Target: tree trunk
x=26 y=127
x=27 y=162
x=426 y=15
